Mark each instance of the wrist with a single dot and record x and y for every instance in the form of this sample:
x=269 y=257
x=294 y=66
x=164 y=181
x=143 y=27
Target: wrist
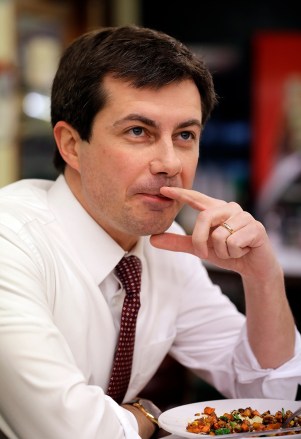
x=146 y=412
x=146 y=428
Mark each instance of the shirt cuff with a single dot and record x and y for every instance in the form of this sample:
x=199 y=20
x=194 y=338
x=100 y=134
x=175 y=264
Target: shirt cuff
x=126 y=419
x=280 y=383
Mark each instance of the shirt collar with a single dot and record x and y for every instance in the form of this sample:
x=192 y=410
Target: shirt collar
x=95 y=248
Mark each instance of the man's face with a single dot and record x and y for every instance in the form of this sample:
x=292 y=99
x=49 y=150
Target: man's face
x=142 y=139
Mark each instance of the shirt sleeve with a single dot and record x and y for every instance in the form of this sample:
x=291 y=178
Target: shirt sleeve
x=43 y=392
x=212 y=341
x=256 y=382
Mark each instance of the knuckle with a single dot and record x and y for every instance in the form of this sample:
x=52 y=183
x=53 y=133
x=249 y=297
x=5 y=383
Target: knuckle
x=248 y=216
x=217 y=234
x=204 y=216
x=260 y=226
x=235 y=205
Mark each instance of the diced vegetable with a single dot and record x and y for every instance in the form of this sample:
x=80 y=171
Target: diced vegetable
x=222 y=431
x=239 y=421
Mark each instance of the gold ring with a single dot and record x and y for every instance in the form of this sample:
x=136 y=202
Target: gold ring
x=229 y=228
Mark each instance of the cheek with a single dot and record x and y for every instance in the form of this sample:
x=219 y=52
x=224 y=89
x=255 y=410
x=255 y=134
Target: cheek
x=189 y=166
x=108 y=173
x=95 y=160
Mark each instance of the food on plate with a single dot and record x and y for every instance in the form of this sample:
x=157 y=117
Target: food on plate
x=239 y=421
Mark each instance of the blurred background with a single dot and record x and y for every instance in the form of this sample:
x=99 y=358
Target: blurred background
x=251 y=147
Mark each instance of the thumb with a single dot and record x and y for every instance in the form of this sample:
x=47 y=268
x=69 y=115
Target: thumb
x=173 y=242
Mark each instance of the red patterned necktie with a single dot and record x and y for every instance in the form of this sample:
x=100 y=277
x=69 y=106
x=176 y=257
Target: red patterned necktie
x=129 y=273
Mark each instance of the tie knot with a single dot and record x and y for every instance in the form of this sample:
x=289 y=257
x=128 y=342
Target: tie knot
x=129 y=271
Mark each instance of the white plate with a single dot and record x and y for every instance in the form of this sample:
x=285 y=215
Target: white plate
x=175 y=420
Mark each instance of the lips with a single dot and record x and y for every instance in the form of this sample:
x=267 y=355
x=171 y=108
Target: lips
x=152 y=199
x=163 y=196
x=154 y=194
x=152 y=188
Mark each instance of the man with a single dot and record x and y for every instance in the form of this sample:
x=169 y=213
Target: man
x=128 y=108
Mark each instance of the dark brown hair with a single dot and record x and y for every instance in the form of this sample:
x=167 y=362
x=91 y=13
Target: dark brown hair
x=144 y=57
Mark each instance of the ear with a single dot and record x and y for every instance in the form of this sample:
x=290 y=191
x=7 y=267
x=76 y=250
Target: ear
x=68 y=142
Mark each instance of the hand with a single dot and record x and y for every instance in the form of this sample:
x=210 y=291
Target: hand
x=247 y=250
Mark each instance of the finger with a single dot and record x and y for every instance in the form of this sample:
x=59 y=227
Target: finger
x=195 y=199
x=207 y=222
x=251 y=236
x=233 y=239
x=236 y=251
x=172 y=242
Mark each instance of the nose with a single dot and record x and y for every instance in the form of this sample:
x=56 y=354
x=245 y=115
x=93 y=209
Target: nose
x=166 y=160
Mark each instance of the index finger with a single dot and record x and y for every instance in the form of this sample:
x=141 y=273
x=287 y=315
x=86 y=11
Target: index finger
x=194 y=199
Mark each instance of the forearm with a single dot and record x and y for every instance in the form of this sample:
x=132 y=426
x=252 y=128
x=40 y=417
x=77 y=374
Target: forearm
x=270 y=322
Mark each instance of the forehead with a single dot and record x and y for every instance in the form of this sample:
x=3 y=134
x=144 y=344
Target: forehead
x=180 y=99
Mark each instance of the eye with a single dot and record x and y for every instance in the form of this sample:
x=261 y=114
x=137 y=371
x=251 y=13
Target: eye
x=187 y=135
x=136 y=131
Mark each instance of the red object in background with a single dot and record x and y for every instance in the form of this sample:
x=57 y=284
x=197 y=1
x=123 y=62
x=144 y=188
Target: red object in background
x=276 y=58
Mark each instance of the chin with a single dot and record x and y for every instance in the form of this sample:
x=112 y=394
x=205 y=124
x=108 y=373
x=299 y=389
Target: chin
x=145 y=225
x=155 y=228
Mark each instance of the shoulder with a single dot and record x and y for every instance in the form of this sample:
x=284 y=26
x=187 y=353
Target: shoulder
x=22 y=202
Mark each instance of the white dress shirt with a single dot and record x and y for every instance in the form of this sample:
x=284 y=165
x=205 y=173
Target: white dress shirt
x=60 y=305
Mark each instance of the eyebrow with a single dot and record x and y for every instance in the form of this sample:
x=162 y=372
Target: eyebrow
x=136 y=117
x=189 y=123
x=152 y=123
